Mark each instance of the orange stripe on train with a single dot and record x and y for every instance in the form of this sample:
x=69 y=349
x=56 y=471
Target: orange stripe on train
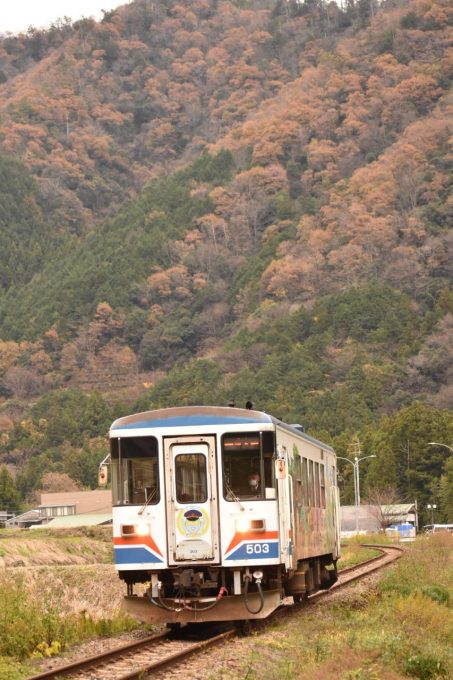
x=138 y=540
x=252 y=536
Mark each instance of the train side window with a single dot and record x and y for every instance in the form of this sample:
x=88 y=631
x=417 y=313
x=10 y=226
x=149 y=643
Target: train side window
x=299 y=487
x=298 y=466
x=311 y=484
x=305 y=494
x=323 y=485
x=268 y=450
x=191 y=479
x=316 y=486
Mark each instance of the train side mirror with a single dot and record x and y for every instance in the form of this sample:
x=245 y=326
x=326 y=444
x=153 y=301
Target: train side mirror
x=281 y=468
x=103 y=475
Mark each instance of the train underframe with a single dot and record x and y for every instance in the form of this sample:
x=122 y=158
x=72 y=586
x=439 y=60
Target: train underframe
x=190 y=594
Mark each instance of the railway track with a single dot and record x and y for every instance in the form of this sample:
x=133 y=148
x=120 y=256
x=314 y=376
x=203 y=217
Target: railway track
x=146 y=657
x=388 y=555
x=137 y=659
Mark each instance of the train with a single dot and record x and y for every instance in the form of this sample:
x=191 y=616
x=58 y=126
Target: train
x=219 y=513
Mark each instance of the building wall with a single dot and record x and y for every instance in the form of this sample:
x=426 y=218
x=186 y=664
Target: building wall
x=98 y=501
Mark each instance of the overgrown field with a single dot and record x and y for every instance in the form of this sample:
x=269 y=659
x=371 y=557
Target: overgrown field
x=45 y=609
x=402 y=629
x=85 y=545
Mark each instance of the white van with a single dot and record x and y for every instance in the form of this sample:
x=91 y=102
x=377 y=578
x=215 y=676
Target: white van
x=435 y=528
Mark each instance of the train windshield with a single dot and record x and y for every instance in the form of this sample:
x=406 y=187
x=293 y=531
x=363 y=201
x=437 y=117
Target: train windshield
x=135 y=471
x=248 y=467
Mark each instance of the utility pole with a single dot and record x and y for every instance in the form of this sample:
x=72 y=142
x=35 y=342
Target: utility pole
x=355 y=464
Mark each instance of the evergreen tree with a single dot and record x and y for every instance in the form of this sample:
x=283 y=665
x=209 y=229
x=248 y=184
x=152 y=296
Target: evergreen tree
x=445 y=493
x=9 y=495
x=418 y=466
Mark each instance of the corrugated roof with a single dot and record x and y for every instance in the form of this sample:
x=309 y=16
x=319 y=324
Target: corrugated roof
x=398 y=508
x=370 y=517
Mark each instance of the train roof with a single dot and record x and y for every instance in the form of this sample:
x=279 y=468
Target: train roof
x=206 y=416
x=192 y=416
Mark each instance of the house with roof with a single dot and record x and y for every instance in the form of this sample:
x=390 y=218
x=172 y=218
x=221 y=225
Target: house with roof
x=374 y=518
x=65 y=503
x=67 y=509
x=5 y=516
x=25 y=520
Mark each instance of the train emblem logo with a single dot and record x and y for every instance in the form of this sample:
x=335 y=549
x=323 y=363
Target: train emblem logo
x=192 y=522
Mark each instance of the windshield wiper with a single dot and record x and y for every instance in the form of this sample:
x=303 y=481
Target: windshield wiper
x=231 y=493
x=151 y=497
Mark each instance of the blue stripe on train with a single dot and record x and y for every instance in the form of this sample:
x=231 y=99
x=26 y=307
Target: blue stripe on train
x=241 y=553
x=129 y=555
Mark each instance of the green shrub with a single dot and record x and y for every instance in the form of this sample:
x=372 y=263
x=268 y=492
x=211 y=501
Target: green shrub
x=396 y=588
x=32 y=626
x=436 y=593
x=11 y=670
x=424 y=667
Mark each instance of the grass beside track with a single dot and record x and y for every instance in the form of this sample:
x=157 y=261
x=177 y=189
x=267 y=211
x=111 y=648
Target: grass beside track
x=57 y=588
x=402 y=629
x=46 y=610
x=353 y=553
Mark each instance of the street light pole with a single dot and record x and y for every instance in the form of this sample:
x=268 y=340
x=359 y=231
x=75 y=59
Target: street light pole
x=355 y=465
x=432 y=508
x=357 y=461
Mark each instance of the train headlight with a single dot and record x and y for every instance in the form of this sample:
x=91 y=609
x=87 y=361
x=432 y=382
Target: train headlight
x=142 y=529
x=135 y=529
x=244 y=524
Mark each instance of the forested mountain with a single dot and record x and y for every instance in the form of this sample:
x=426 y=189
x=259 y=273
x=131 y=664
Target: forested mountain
x=209 y=200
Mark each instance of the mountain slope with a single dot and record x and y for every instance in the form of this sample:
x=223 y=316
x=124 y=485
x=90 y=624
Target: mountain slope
x=341 y=179
x=229 y=199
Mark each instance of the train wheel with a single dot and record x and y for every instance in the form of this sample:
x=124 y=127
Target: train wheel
x=174 y=627
x=245 y=627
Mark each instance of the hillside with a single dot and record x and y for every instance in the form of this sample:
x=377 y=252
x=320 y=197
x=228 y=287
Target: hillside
x=230 y=199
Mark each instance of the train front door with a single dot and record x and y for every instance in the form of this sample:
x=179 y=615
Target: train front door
x=191 y=491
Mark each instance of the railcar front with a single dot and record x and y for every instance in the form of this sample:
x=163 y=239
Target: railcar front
x=202 y=514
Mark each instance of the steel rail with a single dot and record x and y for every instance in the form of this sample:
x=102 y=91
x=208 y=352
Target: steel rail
x=371 y=565
x=377 y=558
x=97 y=659
x=177 y=657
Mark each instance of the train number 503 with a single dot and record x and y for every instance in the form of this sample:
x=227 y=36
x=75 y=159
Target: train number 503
x=257 y=548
